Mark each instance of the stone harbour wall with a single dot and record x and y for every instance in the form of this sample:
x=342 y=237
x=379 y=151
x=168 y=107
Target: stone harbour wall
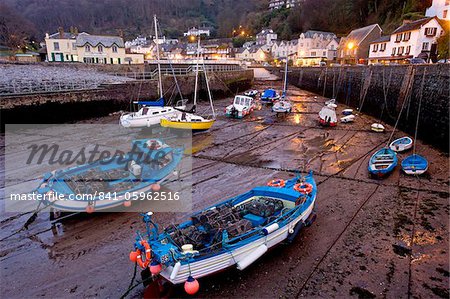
x=382 y=91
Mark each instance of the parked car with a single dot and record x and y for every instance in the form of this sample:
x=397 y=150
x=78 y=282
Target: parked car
x=416 y=61
x=443 y=61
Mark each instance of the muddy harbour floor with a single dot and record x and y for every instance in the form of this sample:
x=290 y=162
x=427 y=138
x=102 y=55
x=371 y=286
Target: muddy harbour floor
x=372 y=238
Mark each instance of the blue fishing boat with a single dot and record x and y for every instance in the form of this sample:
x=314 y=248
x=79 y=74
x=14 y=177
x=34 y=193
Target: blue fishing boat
x=401 y=144
x=269 y=96
x=105 y=183
x=415 y=165
x=382 y=162
x=235 y=232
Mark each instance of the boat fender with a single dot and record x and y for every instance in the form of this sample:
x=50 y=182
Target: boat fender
x=271 y=228
x=253 y=256
x=175 y=270
x=298 y=227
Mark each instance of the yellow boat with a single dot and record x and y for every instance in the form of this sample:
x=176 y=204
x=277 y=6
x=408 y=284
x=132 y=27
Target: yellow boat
x=194 y=123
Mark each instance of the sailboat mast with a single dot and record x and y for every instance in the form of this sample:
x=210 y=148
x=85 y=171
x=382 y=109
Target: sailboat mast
x=209 y=90
x=285 y=77
x=196 y=72
x=157 y=57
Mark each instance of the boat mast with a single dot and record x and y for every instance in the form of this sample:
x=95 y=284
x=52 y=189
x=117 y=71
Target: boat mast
x=157 y=57
x=196 y=73
x=209 y=90
x=285 y=77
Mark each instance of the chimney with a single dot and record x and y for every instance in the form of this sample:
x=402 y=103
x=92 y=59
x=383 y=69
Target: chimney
x=75 y=30
x=61 y=32
x=120 y=31
x=406 y=22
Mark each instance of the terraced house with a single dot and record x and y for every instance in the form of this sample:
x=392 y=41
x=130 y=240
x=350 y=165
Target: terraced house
x=87 y=48
x=416 y=39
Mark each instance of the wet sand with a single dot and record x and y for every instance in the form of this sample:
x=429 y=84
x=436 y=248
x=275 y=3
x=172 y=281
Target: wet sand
x=372 y=238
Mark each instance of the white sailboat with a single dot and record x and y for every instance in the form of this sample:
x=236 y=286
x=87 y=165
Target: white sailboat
x=150 y=113
x=283 y=105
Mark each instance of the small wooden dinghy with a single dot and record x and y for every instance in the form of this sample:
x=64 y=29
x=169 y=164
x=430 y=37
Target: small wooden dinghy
x=377 y=127
x=235 y=232
x=348 y=118
x=251 y=93
x=401 y=144
x=331 y=101
x=382 y=162
x=415 y=165
x=347 y=111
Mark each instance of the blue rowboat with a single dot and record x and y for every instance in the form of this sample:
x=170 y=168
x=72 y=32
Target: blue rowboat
x=104 y=184
x=235 y=232
x=415 y=164
x=269 y=96
x=401 y=144
x=382 y=162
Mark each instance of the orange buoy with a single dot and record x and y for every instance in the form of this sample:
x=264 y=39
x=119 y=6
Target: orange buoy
x=127 y=203
x=191 y=286
x=277 y=183
x=133 y=256
x=156 y=187
x=304 y=188
x=90 y=209
x=155 y=267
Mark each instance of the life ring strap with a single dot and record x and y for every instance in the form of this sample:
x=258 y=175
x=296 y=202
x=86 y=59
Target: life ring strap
x=277 y=183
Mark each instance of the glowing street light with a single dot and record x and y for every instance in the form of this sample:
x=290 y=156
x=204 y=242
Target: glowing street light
x=192 y=38
x=350 y=45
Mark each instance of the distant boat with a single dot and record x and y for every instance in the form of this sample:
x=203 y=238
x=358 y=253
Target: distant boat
x=377 y=127
x=149 y=163
x=382 y=162
x=401 y=144
x=242 y=106
x=348 y=118
x=331 y=101
x=269 y=96
x=415 y=165
x=283 y=105
x=233 y=233
x=327 y=115
x=251 y=93
x=347 y=111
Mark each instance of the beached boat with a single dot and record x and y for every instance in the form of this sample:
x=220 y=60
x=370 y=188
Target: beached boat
x=251 y=93
x=104 y=184
x=377 y=127
x=283 y=105
x=401 y=144
x=415 y=165
x=327 y=115
x=269 y=96
x=242 y=106
x=382 y=162
x=235 y=232
x=347 y=111
x=150 y=113
x=348 y=118
x=189 y=120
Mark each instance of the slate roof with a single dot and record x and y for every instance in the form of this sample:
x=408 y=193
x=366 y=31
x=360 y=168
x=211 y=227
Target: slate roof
x=358 y=35
x=382 y=39
x=310 y=34
x=95 y=40
x=66 y=35
x=412 y=25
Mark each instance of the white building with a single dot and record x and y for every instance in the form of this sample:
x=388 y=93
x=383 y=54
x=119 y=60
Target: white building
x=277 y=4
x=87 y=48
x=440 y=9
x=197 y=31
x=417 y=39
x=266 y=37
x=315 y=47
x=254 y=53
x=284 y=49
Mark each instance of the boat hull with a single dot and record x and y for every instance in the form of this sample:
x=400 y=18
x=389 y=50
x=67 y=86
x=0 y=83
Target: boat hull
x=145 y=121
x=415 y=165
x=401 y=144
x=382 y=163
x=233 y=257
x=191 y=126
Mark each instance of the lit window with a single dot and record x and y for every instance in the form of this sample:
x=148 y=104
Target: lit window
x=87 y=48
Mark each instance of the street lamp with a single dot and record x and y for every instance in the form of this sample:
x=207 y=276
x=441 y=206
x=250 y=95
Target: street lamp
x=350 y=45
